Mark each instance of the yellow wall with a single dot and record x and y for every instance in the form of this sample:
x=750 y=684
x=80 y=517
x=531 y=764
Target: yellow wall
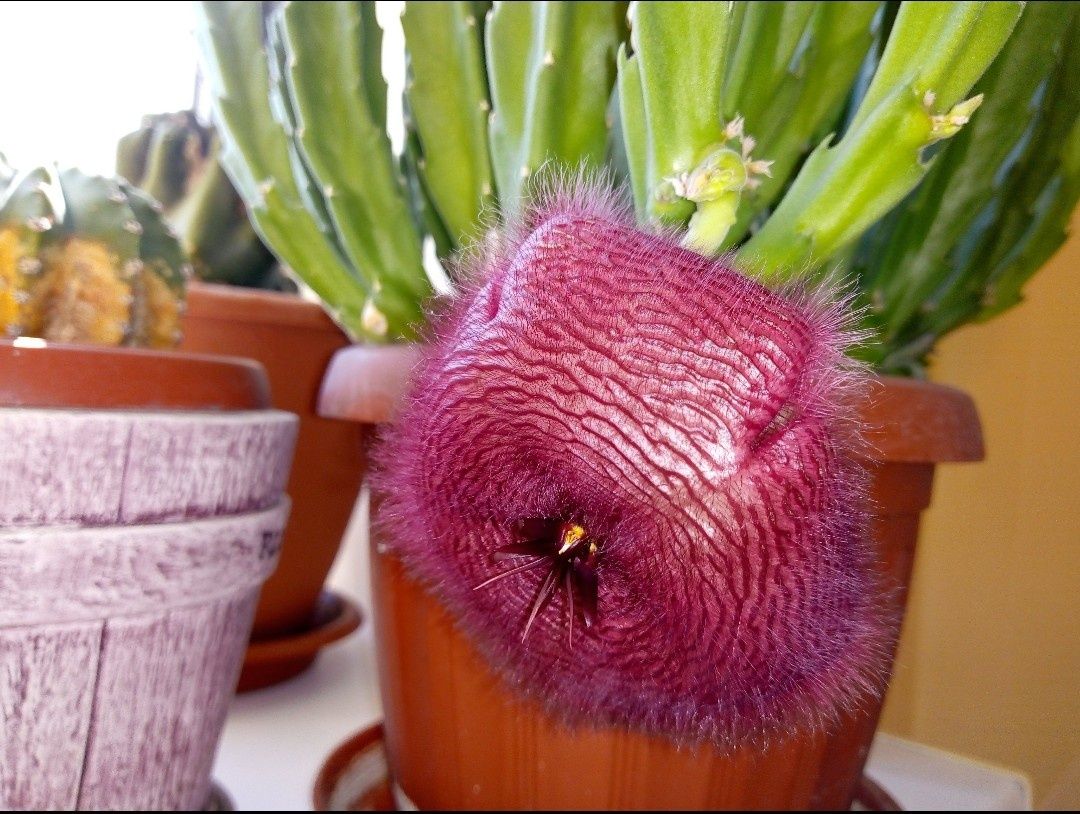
x=989 y=661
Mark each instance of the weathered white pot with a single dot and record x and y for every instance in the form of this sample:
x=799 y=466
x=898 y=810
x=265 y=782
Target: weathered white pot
x=132 y=549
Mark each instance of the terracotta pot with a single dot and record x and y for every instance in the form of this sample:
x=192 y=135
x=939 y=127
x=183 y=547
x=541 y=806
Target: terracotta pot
x=133 y=544
x=293 y=340
x=32 y=375
x=458 y=737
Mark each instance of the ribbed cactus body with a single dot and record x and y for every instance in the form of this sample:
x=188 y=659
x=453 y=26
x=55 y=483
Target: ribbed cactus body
x=87 y=259
x=174 y=158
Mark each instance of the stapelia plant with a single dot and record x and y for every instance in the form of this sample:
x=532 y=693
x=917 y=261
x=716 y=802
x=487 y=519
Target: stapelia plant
x=623 y=463
x=624 y=467
x=929 y=151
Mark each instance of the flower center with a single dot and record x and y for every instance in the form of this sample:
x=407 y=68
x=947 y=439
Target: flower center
x=571 y=556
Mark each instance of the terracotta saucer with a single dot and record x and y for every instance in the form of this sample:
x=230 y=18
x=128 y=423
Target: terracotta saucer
x=271 y=661
x=356 y=776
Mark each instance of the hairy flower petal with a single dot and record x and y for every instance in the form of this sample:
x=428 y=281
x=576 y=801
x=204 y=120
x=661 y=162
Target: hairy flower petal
x=695 y=426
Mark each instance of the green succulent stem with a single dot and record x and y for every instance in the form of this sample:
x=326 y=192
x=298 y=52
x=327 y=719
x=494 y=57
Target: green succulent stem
x=716 y=185
x=256 y=154
x=448 y=107
x=993 y=208
x=551 y=68
x=333 y=209
x=803 y=103
x=934 y=54
x=710 y=223
x=930 y=149
x=760 y=62
x=670 y=97
x=358 y=181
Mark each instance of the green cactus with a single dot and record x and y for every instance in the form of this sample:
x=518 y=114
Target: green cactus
x=448 y=109
x=808 y=87
x=993 y=207
x=803 y=137
x=259 y=156
x=935 y=53
x=356 y=177
x=671 y=97
x=174 y=158
x=87 y=259
x=313 y=163
x=551 y=68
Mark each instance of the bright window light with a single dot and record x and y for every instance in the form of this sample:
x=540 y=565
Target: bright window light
x=80 y=75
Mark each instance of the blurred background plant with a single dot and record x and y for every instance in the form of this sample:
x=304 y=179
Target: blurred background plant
x=86 y=258
x=173 y=157
x=930 y=151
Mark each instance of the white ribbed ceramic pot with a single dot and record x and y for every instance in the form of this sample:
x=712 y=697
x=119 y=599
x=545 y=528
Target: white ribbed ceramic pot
x=133 y=545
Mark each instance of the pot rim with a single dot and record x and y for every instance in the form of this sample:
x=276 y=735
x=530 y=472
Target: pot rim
x=918 y=421
x=136 y=568
x=49 y=375
x=227 y=303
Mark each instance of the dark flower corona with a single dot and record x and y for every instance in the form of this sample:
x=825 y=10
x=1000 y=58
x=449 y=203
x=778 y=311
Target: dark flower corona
x=626 y=469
